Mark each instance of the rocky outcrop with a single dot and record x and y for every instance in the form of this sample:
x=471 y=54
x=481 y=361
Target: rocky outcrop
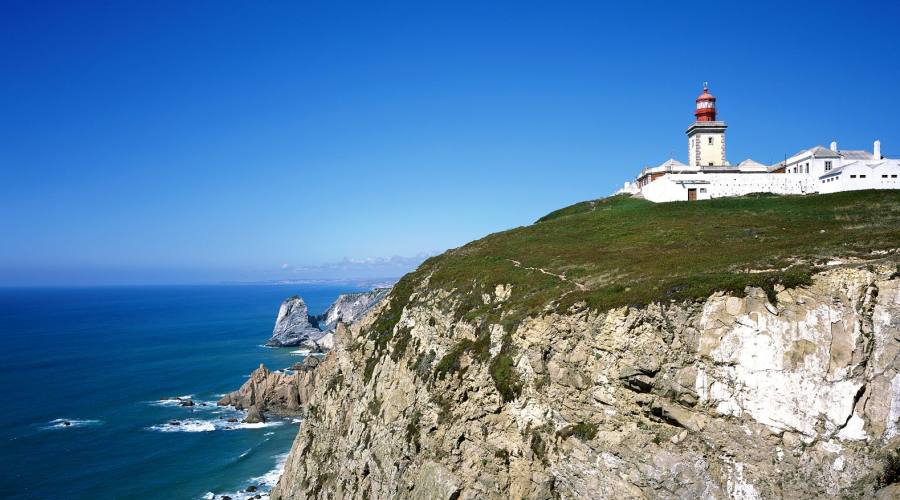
x=284 y=392
x=350 y=306
x=729 y=397
x=294 y=326
x=254 y=416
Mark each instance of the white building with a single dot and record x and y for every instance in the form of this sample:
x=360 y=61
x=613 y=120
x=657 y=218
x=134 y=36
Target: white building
x=709 y=175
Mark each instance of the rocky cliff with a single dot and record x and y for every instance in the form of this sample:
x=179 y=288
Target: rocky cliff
x=284 y=392
x=743 y=348
x=295 y=327
x=739 y=395
x=349 y=307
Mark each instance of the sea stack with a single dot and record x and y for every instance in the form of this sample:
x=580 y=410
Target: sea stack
x=254 y=416
x=294 y=326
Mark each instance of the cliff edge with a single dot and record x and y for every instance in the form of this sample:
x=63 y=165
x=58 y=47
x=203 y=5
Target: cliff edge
x=745 y=348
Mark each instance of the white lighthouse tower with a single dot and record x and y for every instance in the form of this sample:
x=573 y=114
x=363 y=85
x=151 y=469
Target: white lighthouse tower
x=706 y=136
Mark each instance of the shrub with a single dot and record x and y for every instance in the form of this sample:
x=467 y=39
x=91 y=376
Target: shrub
x=506 y=380
x=582 y=430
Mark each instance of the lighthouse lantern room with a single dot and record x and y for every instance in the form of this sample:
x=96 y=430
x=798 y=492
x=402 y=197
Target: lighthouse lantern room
x=706 y=136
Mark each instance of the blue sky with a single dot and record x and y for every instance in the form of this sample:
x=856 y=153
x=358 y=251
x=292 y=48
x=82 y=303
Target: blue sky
x=188 y=142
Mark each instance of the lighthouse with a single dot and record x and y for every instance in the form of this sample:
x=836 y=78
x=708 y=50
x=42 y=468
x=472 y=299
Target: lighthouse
x=706 y=136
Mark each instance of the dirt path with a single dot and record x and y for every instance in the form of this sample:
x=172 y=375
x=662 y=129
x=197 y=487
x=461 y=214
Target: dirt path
x=562 y=277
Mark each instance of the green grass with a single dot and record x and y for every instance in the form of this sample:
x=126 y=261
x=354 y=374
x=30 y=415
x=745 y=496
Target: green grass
x=629 y=251
x=625 y=251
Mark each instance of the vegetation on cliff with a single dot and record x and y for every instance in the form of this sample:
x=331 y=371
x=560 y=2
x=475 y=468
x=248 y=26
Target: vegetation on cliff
x=623 y=251
x=457 y=395
x=620 y=251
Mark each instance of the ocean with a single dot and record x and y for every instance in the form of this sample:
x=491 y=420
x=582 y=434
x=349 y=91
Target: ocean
x=110 y=361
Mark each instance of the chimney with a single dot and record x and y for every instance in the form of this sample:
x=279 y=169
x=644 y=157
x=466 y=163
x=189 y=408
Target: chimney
x=876 y=150
x=834 y=146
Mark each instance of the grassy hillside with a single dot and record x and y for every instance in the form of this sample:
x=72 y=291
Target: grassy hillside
x=619 y=250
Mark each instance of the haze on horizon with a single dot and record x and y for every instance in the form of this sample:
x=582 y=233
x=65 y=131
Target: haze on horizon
x=205 y=142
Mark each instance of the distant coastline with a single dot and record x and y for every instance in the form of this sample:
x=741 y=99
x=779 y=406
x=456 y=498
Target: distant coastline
x=354 y=282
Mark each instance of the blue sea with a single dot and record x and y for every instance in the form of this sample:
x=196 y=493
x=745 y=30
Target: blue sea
x=111 y=362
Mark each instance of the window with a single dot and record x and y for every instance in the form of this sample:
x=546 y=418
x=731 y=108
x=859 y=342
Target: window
x=702 y=190
x=893 y=176
x=884 y=176
x=710 y=164
x=828 y=165
x=710 y=140
x=862 y=176
x=853 y=176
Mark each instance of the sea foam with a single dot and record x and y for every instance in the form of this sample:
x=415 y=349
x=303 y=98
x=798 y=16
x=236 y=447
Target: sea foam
x=198 y=425
x=264 y=483
x=70 y=423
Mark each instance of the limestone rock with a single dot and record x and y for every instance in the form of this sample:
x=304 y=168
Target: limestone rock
x=293 y=326
x=349 y=307
x=280 y=392
x=728 y=397
x=254 y=416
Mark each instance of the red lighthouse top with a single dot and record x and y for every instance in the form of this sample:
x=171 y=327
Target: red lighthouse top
x=706 y=106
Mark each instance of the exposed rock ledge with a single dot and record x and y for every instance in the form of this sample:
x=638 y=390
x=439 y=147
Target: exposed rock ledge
x=731 y=397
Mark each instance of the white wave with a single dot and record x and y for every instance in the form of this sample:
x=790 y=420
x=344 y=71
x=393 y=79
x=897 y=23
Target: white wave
x=270 y=478
x=264 y=483
x=70 y=423
x=301 y=352
x=175 y=401
x=198 y=425
x=185 y=426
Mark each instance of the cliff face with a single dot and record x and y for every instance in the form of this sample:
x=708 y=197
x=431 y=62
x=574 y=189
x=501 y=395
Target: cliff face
x=726 y=397
x=293 y=325
x=351 y=306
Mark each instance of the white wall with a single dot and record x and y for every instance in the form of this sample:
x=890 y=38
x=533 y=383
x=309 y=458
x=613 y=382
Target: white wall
x=816 y=166
x=858 y=175
x=668 y=187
